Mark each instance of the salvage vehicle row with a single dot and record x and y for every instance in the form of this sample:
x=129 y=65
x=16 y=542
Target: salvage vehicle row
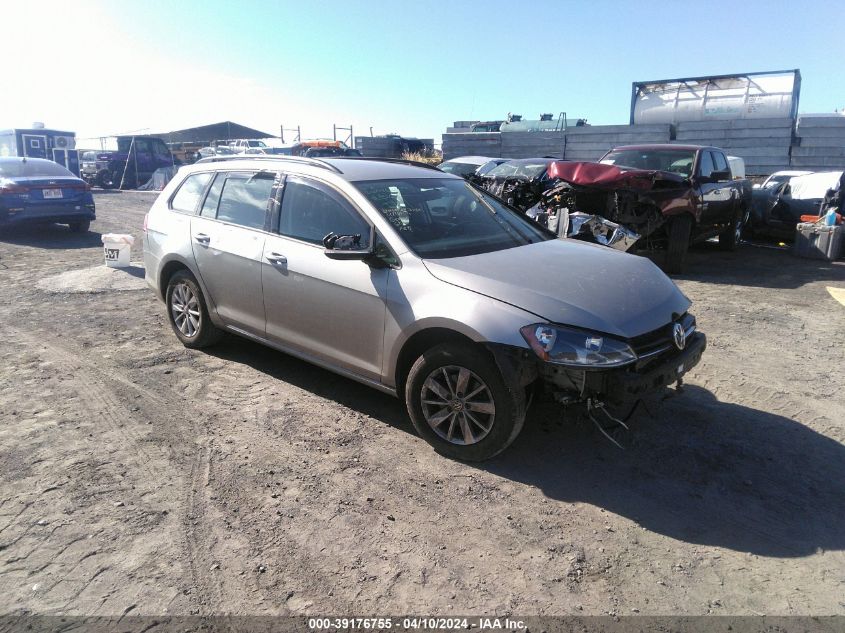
x=639 y=196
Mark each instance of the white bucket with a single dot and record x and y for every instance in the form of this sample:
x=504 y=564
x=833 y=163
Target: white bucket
x=117 y=248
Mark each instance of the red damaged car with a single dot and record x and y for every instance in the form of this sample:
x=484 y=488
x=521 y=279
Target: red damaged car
x=648 y=196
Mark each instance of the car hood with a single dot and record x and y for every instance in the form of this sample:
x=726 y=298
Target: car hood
x=572 y=283
x=613 y=177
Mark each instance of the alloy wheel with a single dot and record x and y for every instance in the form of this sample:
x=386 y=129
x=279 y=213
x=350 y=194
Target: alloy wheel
x=185 y=308
x=458 y=405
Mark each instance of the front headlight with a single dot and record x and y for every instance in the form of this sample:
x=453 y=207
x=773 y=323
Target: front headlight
x=576 y=348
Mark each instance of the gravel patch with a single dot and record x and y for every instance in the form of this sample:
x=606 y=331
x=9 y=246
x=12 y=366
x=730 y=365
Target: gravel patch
x=95 y=280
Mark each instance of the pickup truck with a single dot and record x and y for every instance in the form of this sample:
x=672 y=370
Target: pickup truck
x=133 y=164
x=651 y=196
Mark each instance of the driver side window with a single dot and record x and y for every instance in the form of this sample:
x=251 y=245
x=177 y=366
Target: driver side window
x=310 y=211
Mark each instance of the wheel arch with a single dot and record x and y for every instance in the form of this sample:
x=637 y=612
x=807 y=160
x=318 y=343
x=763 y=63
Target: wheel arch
x=422 y=340
x=170 y=267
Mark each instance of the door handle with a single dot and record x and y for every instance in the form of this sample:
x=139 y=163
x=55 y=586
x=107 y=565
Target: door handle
x=202 y=238
x=277 y=259
x=717 y=191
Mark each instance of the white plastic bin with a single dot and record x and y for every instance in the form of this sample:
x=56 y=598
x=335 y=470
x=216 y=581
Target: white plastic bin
x=117 y=248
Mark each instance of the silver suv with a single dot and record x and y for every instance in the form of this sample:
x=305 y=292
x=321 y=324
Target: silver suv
x=416 y=283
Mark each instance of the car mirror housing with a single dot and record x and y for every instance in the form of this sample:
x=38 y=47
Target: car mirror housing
x=347 y=246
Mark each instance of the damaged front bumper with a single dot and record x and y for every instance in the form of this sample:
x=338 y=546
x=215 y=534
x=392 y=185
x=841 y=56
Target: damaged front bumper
x=568 y=385
x=601 y=231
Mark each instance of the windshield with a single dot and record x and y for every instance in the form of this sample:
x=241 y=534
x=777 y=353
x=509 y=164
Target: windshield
x=445 y=217
x=484 y=170
x=514 y=169
x=459 y=169
x=774 y=181
x=33 y=169
x=678 y=161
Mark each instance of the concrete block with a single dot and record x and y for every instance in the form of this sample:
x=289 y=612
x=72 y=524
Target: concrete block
x=738 y=124
x=658 y=129
x=822 y=132
x=825 y=163
x=806 y=151
x=837 y=121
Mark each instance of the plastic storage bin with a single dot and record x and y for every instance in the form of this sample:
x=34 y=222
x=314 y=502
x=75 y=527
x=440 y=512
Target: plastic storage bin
x=818 y=241
x=116 y=249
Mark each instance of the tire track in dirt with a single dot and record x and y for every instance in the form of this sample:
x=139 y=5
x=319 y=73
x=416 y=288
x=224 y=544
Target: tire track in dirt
x=110 y=408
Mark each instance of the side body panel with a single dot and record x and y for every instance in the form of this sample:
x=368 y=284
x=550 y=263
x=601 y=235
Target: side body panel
x=331 y=308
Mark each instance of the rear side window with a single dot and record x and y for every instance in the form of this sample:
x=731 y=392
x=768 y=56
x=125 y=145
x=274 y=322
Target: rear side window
x=705 y=167
x=209 y=207
x=243 y=200
x=720 y=162
x=311 y=211
x=189 y=193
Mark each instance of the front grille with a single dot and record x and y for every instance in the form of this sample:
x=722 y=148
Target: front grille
x=653 y=344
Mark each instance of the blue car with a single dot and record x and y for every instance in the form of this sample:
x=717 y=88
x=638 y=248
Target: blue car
x=35 y=190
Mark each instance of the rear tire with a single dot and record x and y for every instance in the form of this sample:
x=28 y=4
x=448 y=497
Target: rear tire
x=730 y=238
x=187 y=312
x=459 y=403
x=79 y=227
x=680 y=229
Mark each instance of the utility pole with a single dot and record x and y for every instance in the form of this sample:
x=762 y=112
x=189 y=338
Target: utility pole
x=350 y=140
x=283 y=129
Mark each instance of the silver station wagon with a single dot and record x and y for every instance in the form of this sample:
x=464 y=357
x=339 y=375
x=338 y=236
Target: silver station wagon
x=416 y=283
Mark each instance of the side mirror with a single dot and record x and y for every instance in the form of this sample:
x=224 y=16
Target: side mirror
x=347 y=246
x=719 y=176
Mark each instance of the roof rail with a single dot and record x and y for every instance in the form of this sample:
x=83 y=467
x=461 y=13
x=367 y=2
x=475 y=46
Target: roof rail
x=399 y=161
x=314 y=162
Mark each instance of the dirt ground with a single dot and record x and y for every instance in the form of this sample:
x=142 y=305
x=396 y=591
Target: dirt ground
x=140 y=477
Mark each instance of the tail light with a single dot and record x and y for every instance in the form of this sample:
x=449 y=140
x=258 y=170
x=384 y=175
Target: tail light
x=13 y=188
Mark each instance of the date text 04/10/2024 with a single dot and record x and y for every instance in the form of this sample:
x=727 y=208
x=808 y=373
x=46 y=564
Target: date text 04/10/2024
x=415 y=623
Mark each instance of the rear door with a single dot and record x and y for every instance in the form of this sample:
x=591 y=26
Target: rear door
x=330 y=309
x=228 y=243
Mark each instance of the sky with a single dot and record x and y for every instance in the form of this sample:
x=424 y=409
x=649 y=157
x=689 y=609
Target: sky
x=104 y=67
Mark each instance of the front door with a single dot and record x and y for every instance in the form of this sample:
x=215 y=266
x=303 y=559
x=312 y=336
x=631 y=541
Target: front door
x=228 y=243
x=715 y=196
x=330 y=309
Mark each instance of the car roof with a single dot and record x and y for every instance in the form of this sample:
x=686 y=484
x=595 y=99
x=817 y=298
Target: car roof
x=529 y=161
x=348 y=168
x=470 y=160
x=654 y=146
x=28 y=159
x=791 y=172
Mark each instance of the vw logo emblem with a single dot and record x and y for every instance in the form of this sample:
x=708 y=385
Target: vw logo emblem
x=679 y=336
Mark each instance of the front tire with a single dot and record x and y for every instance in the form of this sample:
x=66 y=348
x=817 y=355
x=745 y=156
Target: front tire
x=680 y=229
x=187 y=312
x=105 y=179
x=459 y=403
